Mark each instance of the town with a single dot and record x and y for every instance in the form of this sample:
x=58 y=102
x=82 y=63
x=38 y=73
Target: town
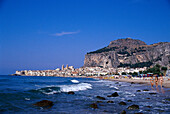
x=83 y=71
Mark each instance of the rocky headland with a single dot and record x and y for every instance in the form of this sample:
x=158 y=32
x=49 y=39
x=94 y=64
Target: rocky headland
x=129 y=53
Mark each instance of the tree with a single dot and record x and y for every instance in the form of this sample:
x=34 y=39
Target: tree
x=123 y=73
x=140 y=72
x=164 y=69
x=135 y=73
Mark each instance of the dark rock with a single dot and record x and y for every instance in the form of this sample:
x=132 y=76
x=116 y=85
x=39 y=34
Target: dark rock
x=152 y=93
x=120 y=85
x=132 y=83
x=167 y=99
x=99 y=101
x=122 y=103
x=115 y=94
x=133 y=107
x=102 y=98
x=110 y=102
x=44 y=103
x=129 y=100
x=138 y=91
x=139 y=113
x=145 y=90
x=148 y=98
x=117 y=83
x=149 y=106
x=71 y=92
x=94 y=105
x=123 y=112
x=105 y=111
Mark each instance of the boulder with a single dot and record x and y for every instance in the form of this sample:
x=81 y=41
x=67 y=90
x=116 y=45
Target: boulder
x=71 y=92
x=115 y=94
x=99 y=101
x=110 y=102
x=167 y=99
x=102 y=98
x=44 y=103
x=149 y=106
x=148 y=98
x=138 y=91
x=123 y=112
x=94 y=105
x=145 y=90
x=129 y=101
x=152 y=93
x=122 y=103
x=133 y=107
x=132 y=82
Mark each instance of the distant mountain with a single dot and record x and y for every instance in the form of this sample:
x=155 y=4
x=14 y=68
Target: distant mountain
x=129 y=53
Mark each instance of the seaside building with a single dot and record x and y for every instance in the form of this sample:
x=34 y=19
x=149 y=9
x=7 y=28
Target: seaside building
x=62 y=68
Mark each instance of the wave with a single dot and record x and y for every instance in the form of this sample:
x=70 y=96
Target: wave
x=74 y=81
x=77 y=87
x=62 y=88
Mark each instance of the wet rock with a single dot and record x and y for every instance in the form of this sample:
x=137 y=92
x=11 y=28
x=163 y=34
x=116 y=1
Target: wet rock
x=71 y=92
x=129 y=101
x=149 y=106
x=94 y=105
x=152 y=93
x=44 y=103
x=133 y=107
x=99 y=101
x=102 y=98
x=110 y=102
x=123 y=112
x=138 y=91
x=145 y=90
x=167 y=99
x=132 y=82
x=117 y=83
x=122 y=103
x=115 y=94
x=148 y=98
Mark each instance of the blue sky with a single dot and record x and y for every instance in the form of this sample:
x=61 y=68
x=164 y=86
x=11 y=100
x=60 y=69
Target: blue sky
x=44 y=34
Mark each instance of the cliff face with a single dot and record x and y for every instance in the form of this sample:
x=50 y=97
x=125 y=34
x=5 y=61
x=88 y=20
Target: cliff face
x=129 y=52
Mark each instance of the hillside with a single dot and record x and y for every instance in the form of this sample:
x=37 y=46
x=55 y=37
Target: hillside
x=129 y=53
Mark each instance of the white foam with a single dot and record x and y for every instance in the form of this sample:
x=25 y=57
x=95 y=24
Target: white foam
x=74 y=81
x=77 y=87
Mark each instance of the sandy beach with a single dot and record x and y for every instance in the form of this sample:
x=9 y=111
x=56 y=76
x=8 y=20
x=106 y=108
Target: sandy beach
x=166 y=83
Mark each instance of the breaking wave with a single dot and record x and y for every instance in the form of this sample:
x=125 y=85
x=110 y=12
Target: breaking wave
x=74 y=81
x=63 y=88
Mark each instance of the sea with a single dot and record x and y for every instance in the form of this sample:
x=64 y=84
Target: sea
x=19 y=93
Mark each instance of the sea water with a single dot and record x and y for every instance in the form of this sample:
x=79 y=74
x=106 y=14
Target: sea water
x=19 y=93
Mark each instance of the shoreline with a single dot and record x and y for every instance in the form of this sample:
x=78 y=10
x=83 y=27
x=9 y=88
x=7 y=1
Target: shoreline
x=166 y=83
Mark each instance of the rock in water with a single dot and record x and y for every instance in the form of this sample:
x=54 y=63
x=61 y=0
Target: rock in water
x=132 y=82
x=44 y=103
x=145 y=90
x=138 y=91
x=152 y=93
x=115 y=94
x=123 y=112
x=129 y=100
x=71 y=92
x=102 y=98
x=110 y=102
x=94 y=105
x=133 y=107
x=122 y=103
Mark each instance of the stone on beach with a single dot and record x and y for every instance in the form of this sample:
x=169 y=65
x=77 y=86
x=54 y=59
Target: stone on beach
x=138 y=91
x=145 y=90
x=44 y=103
x=129 y=101
x=115 y=94
x=133 y=107
x=102 y=98
x=152 y=93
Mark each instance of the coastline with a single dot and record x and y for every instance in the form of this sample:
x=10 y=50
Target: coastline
x=166 y=83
